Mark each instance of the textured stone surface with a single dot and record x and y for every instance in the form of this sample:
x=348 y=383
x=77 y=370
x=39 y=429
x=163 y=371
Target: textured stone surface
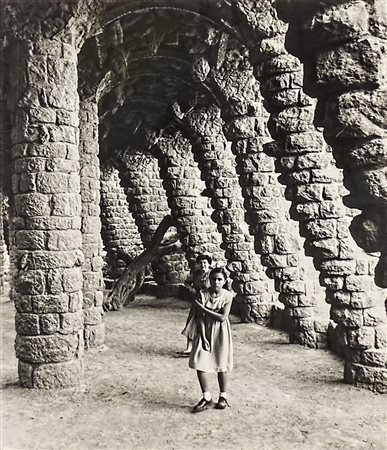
x=140 y=177
x=47 y=258
x=192 y=211
x=120 y=233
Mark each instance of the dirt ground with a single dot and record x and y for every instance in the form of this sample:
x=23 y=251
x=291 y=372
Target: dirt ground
x=137 y=394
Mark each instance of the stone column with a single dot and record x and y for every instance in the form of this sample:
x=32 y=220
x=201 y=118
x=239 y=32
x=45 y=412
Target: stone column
x=276 y=236
x=140 y=177
x=119 y=231
x=217 y=164
x=351 y=126
x=48 y=277
x=315 y=187
x=94 y=330
x=192 y=211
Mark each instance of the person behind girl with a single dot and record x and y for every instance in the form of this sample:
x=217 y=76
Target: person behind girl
x=212 y=350
x=199 y=280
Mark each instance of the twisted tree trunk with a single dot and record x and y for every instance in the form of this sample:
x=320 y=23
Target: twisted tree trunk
x=130 y=282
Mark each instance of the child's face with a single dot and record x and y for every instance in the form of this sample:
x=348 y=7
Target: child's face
x=204 y=265
x=217 y=281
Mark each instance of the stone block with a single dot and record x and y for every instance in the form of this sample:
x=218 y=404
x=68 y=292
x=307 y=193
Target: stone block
x=42 y=115
x=309 y=193
x=52 y=183
x=36 y=70
x=381 y=336
x=347 y=317
x=75 y=301
x=62 y=165
x=23 y=303
x=57 y=376
x=324 y=248
x=30 y=240
x=321 y=229
x=337 y=267
x=49 y=323
x=362 y=299
x=64 y=240
x=23 y=183
x=94 y=335
x=72 y=279
x=32 y=282
x=358 y=283
x=27 y=324
x=34 y=204
x=362 y=338
x=375 y=358
x=66 y=205
x=352 y=65
x=47 y=150
x=71 y=323
x=50 y=304
x=293 y=287
x=40 y=259
x=286 y=244
x=358 y=114
x=43 y=349
x=62 y=97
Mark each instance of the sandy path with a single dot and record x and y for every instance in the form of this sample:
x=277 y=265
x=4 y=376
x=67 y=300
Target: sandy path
x=137 y=394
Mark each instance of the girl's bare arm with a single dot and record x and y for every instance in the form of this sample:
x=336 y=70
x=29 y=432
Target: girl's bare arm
x=221 y=316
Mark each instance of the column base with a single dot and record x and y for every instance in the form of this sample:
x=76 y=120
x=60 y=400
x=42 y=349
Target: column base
x=50 y=376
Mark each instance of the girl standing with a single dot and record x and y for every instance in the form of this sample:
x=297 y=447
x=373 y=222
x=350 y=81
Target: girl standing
x=199 y=280
x=212 y=350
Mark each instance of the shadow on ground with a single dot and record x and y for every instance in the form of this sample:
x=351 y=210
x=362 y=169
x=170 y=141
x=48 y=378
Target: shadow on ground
x=137 y=394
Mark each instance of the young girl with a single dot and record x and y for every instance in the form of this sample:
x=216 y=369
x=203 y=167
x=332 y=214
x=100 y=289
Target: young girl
x=198 y=281
x=212 y=350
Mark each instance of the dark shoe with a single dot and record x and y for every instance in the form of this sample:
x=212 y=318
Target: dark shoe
x=202 y=405
x=222 y=403
x=183 y=354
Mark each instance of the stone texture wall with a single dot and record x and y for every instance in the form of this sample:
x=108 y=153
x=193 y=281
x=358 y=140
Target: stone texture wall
x=192 y=210
x=47 y=277
x=315 y=187
x=94 y=330
x=345 y=69
x=119 y=231
x=276 y=236
x=217 y=165
x=140 y=177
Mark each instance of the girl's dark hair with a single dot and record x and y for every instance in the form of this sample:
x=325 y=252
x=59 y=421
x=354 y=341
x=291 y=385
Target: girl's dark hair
x=203 y=257
x=219 y=270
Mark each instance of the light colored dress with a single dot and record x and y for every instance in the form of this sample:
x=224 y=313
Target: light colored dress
x=212 y=349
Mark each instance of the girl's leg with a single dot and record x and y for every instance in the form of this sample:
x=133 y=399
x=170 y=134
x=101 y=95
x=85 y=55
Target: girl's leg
x=206 y=401
x=222 y=381
x=203 y=381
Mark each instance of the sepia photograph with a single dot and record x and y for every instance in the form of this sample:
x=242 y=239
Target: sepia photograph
x=193 y=224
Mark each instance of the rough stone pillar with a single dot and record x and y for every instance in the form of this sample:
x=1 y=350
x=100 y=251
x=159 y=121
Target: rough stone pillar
x=314 y=185
x=327 y=38
x=94 y=330
x=350 y=89
x=48 y=277
x=276 y=236
x=217 y=164
x=192 y=210
x=140 y=177
x=119 y=231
